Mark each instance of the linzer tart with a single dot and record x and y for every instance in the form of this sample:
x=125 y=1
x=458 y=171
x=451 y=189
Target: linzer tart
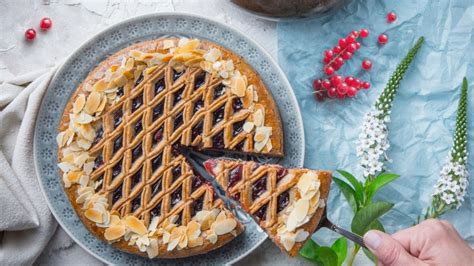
x=119 y=133
x=287 y=203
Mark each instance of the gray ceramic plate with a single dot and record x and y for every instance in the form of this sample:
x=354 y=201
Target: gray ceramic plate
x=121 y=35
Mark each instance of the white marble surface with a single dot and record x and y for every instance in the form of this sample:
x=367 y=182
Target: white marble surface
x=75 y=21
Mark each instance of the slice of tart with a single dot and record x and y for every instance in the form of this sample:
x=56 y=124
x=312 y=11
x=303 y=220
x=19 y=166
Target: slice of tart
x=287 y=203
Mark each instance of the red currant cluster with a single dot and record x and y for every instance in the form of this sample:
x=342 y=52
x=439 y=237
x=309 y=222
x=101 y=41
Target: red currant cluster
x=336 y=86
x=45 y=24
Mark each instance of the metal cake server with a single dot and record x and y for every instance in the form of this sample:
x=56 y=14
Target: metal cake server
x=196 y=159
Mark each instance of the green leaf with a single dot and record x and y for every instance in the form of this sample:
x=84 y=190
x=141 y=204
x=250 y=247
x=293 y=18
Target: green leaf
x=327 y=256
x=368 y=214
x=320 y=255
x=359 y=190
x=379 y=181
x=348 y=193
x=340 y=247
x=377 y=225
x=308 y=251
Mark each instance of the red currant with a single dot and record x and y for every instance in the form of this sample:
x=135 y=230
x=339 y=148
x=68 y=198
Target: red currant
x=355 y=83
x=342 y=42
x=351 y=92
x=366 y=64
x=30 y=34
x=326 y=84
x=391 y=17
x=319 y=96
x=365 y=85
x=350 y=39
x=351 y=47
x=329 y=70
x=339 y=60
x=46 y=23
x=364 y=33
x=336 y=80
x=328 y=53
x=317 y=84
x=342 y=88
x=357 y=45
x=383 y=38
x=340 y=95
x=347 y=55
x=337 y=49
x=349 y=79
x=336 y=66
x=326 y=60
x=332 y=92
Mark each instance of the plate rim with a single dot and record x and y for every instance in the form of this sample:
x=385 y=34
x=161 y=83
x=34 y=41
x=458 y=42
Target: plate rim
x=91 y=39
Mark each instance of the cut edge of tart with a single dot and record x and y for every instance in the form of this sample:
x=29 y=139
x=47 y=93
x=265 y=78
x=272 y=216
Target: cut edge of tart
x=287 y=203
x=111 y=134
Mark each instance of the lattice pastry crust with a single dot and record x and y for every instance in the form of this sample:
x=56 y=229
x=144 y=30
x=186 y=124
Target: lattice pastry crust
x=118 y=142
x=287 y=203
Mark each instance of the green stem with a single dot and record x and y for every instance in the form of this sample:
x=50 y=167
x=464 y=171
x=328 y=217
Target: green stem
x=353 y=254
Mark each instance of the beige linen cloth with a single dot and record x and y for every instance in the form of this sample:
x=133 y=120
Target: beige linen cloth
x=26 y=223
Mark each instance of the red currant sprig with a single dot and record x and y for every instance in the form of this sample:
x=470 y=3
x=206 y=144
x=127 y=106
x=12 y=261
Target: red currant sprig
x=338 y=87
x=334 y=58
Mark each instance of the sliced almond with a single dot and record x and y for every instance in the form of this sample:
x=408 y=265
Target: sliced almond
x=79 y=103
x=305 y=181
x=93 y=102
x=84 y=118
x=153 y=223
x=258 y=117
x=239 y=86
x=249 y=96
x=152 y=250
x=172 y=244
x=213 y=55
x=114 y=232
x=193 y=230
x=195 y=242
x=221 y=216
x=94 y=215
x=288 y=241
x=225 y=226
x=100 y=86
x=167 y=44
x=166 y=237
x=248 y=126
x=135 y=225
x=301 y=209
x=212 y=238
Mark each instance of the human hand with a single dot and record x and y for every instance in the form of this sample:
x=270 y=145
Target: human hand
x=431 y=242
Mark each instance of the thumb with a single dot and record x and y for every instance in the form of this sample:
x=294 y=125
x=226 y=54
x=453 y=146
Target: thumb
x=388 y=250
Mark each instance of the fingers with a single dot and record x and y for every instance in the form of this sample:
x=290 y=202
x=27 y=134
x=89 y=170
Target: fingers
x=388 y=250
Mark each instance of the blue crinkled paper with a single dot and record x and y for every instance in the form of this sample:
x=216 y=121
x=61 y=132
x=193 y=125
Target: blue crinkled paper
x=424 y=111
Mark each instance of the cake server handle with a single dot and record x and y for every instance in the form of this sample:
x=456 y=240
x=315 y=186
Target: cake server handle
x=343 y=232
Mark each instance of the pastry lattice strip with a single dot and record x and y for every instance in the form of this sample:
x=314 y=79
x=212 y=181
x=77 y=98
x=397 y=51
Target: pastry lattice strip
x=153 y=114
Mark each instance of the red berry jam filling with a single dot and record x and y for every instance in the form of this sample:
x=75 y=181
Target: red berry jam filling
x=176 y=197
x=139 y=80
x=259 y=187
x=235 y=175
x=159 y=86
x=137 y=102
x=218 y=140
x=117 y=169
x=136 y=202
x=118 y=118
x=136 y=178
x=158 y=111
x=156 y=162
x=200 y=80
x=117 y=194
x=219 y=91
x=282 y=201
x=261 y=214
x=137 y=152
x=178 y=96
x=177 y=75
x=156 y=188
x=156 y=211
